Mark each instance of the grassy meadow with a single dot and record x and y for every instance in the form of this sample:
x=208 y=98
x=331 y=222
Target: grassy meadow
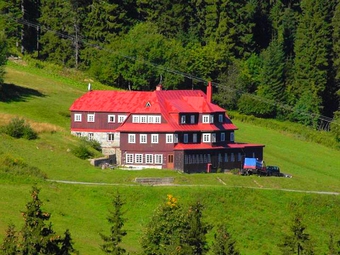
x=258 y=210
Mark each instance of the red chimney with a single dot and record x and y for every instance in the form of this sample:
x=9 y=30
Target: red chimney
x=159 y=87
x=209 y=92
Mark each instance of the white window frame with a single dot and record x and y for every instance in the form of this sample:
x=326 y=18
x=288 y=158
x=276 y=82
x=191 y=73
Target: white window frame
x=77 y=117
x=206 y=137
x=138 y=158
x=111 y=118
x=158 y=158
x=194 y=138
x=151 y=119
x=143 y=119
x=220 y=118
x=157 y=119
x=205 y=118
x=143 y=138
x=121 y=118
x=185 y=138
x=131 y=138
x=90 y=117
x=232 y=137
x=183 y=119
x=129 y=158
x=169 y=138
x=222 y=137
x=110 y=136
x=148 y=158
x=90 y=136
x=135 y=118
x=154 y=138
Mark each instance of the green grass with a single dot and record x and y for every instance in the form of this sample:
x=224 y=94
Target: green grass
x=258 y=217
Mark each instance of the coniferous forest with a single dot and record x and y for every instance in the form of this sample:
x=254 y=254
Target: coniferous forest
x=269 y=58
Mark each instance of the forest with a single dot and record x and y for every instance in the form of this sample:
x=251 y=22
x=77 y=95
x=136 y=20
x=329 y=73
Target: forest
x=268 y=58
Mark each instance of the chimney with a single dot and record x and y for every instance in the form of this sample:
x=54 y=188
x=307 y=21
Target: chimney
x=159 y=87
x=209 y=92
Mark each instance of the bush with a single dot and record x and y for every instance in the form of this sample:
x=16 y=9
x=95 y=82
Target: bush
x=17 y=166
x=18 y=128
x=82 y=152
x=93 y=144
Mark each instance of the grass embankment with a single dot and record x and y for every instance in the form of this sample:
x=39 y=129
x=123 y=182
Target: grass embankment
x=258 y=218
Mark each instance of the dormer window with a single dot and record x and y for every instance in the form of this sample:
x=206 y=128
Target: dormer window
x=148 y=105
x=220 y=118
x=206 y=137
x=207 y=118
x=231 y=136
x=183 y=119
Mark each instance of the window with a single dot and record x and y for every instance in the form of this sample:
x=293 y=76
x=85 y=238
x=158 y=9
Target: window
x=169 y=138
x=211 y=118
x=206 y=137
x=132 y=138
x=209 y=160
x=205 y=119
x=219 y=157
x=239 y=156
x=135 y=118
x=192 y=119
x=129 y=158
x=170 y=158
x=220 y=118
x=151 y=119
x=157 y=119
x=201 y=158
x=225 y=157
x=121 y=118
x=139 y=158
x=143 y=138
x=111 y=118
x=110 y=137
x=231 y=136
x=148 y=158
x=175 y=138
x=183 y=119
x=232 y=157
x=77 y=117
x=185 y=138
x=194 y=138
x=158 y=159
x=222 y=137
x=154 y=138
x=143 y=119
x=186 y=161
x=90 y=117
x=90 y=136
x=205 y=158
x=213 y=137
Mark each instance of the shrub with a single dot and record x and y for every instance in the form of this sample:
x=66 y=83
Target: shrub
x=82 y=152
x=92 y=143
x=18 y=128
x=17 y=166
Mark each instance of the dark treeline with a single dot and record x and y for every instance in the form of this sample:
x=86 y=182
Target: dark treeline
x=270 y=58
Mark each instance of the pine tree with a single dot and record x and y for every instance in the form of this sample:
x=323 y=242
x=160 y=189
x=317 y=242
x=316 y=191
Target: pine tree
x=298 y=242
x=67 y=245
x=10 y=243
x=312 y=50
x=112 y=242
x=37 y=237
x=224 y=244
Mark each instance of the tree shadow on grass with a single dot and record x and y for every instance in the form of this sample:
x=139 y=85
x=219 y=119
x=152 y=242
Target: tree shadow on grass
x=14 y=93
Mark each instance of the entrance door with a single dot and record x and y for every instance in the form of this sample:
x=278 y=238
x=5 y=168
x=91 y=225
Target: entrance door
x=170 y=164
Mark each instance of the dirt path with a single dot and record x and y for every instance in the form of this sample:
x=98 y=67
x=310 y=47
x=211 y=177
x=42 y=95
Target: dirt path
x=184 y=185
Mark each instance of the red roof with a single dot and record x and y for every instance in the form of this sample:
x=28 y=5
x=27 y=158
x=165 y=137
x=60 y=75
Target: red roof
x=168 y=103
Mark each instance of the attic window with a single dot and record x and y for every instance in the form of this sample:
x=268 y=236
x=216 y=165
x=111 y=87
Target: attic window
x=148 y=104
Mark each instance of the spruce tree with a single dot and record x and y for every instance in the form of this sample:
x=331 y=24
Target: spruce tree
x=112 y=242
x=224 y=244
x=10 y=243
x=67 y=245
x=37 y=237
x=298 y=242
x=3 y=57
